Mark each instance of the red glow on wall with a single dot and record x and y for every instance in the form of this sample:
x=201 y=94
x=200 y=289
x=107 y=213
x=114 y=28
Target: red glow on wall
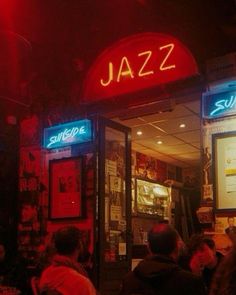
x=138 y=62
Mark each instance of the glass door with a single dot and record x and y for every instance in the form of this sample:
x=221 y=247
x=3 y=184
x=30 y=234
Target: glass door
x=114 y=204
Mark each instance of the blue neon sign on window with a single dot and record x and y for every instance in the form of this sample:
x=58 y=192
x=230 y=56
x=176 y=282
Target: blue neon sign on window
x=219 y=104
x=68 y=134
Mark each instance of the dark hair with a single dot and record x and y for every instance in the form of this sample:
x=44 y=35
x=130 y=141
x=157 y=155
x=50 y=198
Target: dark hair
x=162 y=239
x=197 y=242
x=224 y=279
x=67 y=240
x=210 y=243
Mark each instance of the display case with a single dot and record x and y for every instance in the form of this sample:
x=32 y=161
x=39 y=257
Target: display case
x=150 y=198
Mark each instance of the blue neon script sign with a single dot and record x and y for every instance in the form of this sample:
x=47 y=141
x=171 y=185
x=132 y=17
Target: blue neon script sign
x=68 y=134
x=219 y=104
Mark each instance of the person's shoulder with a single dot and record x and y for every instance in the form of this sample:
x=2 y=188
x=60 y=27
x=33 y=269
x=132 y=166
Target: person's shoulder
x=188 y=276
x=84 y=284
x=130 y=276
x=72 y=280
x=190 y=282
x=131 y=284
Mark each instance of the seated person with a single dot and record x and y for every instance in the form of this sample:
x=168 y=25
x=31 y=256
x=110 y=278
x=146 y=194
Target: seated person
x=65 y=274
x=13 y=271
x=202 y=258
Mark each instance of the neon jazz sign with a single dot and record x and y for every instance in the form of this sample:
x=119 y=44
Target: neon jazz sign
x=219 y=104
x=136 y=63
x=67 y=134
x=143 y=67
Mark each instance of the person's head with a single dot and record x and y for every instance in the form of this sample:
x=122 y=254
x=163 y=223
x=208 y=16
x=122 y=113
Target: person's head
x=231 y=221
x=67 y=241
x=2 y=252
x=203 y=249
x=210 y=243
x=163 y=239
x=224 y=278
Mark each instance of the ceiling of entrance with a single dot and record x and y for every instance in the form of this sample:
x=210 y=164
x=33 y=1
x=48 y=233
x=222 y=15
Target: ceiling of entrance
x=161 y=136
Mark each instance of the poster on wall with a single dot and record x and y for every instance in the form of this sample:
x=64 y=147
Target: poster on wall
x=65 y=198
x=224 y=157
x=30 y=228
x=30 y=131
x=210 y=128
x=30 y=184
x=30 y=160
x=161 y=171
x=225 y=232
x=226 y=225
x=115 y=184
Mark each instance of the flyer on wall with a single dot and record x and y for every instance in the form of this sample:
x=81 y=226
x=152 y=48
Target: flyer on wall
x=225 y=170
x=230 y=167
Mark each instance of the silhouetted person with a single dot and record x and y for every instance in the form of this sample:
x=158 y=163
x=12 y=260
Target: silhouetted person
x=65 y=274
x=202 y=258
x=159 y=272
x=224 y=282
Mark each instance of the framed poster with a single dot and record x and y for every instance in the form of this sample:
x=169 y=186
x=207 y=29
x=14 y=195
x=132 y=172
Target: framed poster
x=65 y=196
x=224 y=171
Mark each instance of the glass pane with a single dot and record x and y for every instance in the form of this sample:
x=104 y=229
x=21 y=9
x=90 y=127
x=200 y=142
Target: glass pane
x=115 y=196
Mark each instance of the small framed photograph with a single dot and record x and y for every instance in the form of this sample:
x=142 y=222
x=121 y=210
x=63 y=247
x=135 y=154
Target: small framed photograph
x=66 y=194
x=224 y=171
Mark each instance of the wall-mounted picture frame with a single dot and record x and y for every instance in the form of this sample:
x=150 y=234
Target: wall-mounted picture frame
x=224 y=171
x=65 y=188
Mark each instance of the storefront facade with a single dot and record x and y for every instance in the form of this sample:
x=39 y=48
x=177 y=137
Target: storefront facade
x=79 y=172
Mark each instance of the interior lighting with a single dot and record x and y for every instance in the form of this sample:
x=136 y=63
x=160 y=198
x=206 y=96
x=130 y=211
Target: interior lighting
x=182 y=125
x=159 y=142
x=139 y=132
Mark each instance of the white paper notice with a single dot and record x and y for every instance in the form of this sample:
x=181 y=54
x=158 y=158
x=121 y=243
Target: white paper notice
x=122 y=248
x=115 y=213
x=230 y=167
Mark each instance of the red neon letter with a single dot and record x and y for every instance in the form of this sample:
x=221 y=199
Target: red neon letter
x=141 y=73
x=126 y=72
x=171 y=47
x=110 y=76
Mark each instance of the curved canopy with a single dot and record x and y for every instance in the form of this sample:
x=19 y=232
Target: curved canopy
x=136 y=63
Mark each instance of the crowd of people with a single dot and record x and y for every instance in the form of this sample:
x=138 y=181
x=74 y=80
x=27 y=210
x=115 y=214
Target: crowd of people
x=172 y=267
x=175 y=268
